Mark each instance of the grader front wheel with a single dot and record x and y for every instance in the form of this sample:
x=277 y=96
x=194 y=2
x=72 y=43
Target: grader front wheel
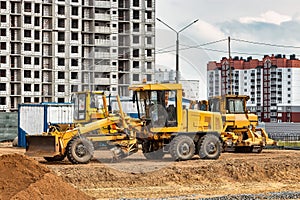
x=80 y=150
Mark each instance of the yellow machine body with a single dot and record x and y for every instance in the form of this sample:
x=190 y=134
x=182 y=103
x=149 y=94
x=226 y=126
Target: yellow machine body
x=239 y=125
x=169 y=111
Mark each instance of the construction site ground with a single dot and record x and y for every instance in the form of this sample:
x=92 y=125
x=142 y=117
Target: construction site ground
x=136 y=177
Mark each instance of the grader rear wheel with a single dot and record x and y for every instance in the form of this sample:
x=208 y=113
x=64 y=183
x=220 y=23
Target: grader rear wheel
x=209 y=147
x=182 y=147
x=80 y=150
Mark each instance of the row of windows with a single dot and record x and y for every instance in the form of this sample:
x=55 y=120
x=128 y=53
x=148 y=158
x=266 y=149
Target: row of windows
x=36 y=87
x=136 y=64
x=74 y=22
x=61 y=62
x=136 y=77
x=74 y=35
x=28 y=5
x=36 y=74
x=136 y=3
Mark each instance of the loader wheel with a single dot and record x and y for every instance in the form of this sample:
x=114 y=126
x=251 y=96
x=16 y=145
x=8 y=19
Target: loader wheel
x=209 y=147
x=152 y=151
x=55 y=158
x=182 y=147
x=80 y=150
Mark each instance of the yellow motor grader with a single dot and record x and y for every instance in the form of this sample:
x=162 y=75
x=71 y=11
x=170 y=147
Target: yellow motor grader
x=168 y=127
x=93 y=126
x=240 y=132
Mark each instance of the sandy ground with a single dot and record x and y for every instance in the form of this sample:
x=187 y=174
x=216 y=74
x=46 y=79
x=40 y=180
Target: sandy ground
x=136 y=177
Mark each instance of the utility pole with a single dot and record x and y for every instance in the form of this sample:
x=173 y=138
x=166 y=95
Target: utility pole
x=177 y=43
x=229 y=59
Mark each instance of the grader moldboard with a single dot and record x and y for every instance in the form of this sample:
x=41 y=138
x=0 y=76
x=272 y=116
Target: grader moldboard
x=163 y=126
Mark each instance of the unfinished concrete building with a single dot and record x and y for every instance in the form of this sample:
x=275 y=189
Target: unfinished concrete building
x=51 y=48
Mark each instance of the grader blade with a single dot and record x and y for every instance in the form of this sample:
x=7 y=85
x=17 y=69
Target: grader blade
x=38 y=145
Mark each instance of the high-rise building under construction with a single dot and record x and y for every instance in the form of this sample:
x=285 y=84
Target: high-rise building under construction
x=51 y=48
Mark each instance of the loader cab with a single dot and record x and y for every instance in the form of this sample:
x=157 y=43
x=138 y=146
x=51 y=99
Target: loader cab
x=229 y=104
x=89 y=106
x=234 y=111
x=158 y=104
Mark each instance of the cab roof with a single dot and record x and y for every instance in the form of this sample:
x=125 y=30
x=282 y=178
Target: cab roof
x=155 y=86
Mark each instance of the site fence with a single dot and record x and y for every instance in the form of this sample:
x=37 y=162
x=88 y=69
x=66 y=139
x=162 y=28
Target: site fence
x=287 y=141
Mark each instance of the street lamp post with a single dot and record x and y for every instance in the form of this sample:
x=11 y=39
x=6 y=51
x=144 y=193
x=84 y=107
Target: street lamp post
x=177 y=43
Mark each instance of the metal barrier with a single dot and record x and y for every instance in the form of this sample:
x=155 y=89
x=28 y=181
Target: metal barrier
x=287 y=141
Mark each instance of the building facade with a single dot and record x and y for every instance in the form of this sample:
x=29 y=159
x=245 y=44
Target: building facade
x=191 y=88
x=272 y=83
x=51 y=48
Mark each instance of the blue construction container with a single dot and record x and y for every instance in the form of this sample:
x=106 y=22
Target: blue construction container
x=33 y=119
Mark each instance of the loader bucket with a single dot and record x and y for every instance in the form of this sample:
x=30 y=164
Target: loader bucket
x=38 y=145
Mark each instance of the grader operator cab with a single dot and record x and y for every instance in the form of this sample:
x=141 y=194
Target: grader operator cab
x=170 y=128
x=89 y=106
x=240 y=131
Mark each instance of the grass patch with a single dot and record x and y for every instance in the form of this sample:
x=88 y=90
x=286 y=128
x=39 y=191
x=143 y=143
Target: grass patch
x=288 y=143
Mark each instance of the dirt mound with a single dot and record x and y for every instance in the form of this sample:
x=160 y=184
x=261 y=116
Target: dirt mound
x=203 y=172
x=24 y=178
x=232 y=174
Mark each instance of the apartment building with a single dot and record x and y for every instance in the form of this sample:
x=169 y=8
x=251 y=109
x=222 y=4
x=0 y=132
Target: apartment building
x=51 y=48
x=272 y=83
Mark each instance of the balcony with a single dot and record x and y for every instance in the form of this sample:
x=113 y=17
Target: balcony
x=102 y=29
x=105 y=68
x=102 y=42
x=102 y=81
x=100 y=16
x=102 y=55
x=102 y=4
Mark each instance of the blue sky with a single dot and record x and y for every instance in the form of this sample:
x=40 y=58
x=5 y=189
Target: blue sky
x=267 y=21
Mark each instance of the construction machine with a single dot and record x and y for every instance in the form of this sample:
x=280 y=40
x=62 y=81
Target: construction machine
x=87 y=107
x=168 y=127
x=93 y=127
x=240 y=132
x=163 y=126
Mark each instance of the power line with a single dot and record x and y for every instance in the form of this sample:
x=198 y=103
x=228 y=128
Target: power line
x=196 y=46
x=266 y=44
x=164 y=50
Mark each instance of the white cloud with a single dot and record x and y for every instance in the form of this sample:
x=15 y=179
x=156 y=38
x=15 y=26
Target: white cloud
x=208 y=32
x=271 y=17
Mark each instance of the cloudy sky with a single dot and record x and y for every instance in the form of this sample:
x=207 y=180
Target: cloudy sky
x=264 y=21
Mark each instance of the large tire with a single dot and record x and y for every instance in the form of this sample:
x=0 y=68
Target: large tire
x=80 y=150
x=182 y=147
x=152 y=151
x=55 y=158
x=209 y=147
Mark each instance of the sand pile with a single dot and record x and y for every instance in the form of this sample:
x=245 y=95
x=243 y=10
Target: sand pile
x=24 y=178
x=229 y=175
